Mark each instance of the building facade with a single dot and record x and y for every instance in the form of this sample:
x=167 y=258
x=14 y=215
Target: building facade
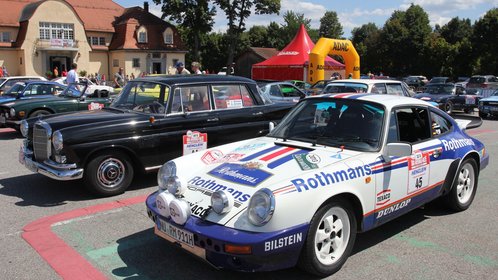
x=99 y=35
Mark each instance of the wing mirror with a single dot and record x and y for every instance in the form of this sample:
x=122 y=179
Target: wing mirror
x=83 y=97
x=397 y=150
x=271 y=126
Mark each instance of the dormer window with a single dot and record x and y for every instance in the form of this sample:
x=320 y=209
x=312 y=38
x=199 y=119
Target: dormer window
x=142 y=35
x=168 y=36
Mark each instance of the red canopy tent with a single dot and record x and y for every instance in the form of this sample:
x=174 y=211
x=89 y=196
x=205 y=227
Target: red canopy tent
x=292 y=62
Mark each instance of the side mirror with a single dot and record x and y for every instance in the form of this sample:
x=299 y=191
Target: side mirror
x=83 y=97
x=271 y=126
x=397 y=150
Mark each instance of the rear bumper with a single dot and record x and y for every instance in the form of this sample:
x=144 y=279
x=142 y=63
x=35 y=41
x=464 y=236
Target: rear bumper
x=49 y=168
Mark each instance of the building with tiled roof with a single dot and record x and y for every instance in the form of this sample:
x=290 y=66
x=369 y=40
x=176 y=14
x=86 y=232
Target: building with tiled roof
x=99 y=35
x=253 y=55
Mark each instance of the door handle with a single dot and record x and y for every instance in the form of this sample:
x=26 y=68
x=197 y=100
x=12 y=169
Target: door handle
x=213 y=120
x=437 y=152
x=257 y=114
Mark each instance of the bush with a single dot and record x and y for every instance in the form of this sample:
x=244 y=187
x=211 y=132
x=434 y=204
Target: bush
x=82 y=73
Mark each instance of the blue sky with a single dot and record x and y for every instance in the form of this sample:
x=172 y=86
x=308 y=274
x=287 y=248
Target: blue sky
x=354 y=13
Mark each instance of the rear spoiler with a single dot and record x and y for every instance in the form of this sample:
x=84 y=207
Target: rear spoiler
x=467 y=122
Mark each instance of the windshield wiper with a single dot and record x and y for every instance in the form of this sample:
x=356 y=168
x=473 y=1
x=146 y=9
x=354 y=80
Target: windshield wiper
x=359 y=139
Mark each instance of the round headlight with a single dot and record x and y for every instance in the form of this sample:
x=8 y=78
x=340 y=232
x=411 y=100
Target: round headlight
x=481 y=103
x=221 y=202
x=261 y=207
x=12 y=112
x=174 y=186
x=167 y=170
x=57 y=141
x=24 y=128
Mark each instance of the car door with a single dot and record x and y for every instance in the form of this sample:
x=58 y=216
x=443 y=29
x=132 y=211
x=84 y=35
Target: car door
x=401 y=183
x=275 y=93
x=290 y=93
x=239 y=115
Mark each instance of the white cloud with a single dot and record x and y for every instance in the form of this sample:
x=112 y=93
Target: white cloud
x=444 y=4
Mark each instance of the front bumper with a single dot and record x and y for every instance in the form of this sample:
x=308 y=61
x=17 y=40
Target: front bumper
x=491 y=110
x=270 y=250
x=49 y=168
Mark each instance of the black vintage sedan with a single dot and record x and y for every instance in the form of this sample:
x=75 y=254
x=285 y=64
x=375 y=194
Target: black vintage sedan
x=449 y=97
x=153 y=120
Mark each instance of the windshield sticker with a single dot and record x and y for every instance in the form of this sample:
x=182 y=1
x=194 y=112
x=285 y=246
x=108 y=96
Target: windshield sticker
x=248 y=174
x=213 y=185
x=217 y=156
x=454 y=144
x=95 y=106
x=194 y=141
x=307 y=161
x=249 y=147
x=234 y=103
x=418 y=171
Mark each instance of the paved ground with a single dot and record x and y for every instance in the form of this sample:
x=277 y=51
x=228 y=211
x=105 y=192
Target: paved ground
x=117 y=241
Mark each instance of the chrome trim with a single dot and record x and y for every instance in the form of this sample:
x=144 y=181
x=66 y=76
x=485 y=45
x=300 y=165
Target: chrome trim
x=42 y=144
x=152 y=167
x=51 y=169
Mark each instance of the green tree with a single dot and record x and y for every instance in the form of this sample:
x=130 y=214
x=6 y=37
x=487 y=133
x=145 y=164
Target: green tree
x=292 y=23
x=258 y=36
x=237 y=11
x=194 y=16
x=366 y=40
x=330 y=26
x=275 y=39
x=456 y=30
x=486 y=42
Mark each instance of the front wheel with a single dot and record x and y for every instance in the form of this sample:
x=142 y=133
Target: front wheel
x=109 y=173
x=39 y=113
x=464 y=188
x=448 y=107
x=330 y=239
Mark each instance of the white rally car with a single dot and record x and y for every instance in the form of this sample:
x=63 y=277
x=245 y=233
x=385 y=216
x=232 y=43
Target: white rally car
x=334 y=166
x=92 y=89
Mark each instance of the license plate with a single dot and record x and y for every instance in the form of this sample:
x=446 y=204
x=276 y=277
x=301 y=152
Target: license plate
x=178 y=234
x=470 y=101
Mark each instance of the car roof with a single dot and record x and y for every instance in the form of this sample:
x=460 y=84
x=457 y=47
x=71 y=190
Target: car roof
x=365 y=81
x=43 y=82
x=22 y=77
x=183 y=79
x=389 y=101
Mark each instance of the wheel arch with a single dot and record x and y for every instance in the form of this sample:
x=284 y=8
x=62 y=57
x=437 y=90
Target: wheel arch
x=453 y=172
x=135 y=161
x=41 y=109
x=355 y=203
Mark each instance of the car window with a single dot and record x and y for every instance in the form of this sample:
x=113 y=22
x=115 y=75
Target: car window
x=345 y=87
x=231 y=96
x=275 y=91
x=16 y=89
x=394 y=89
x=379 y=88
x=412 y=125
x=289 y=91
x=439 y=124
x=145 y=97
x=477 y=80
x=493 y=79
x=190 y=99
x=10 y=83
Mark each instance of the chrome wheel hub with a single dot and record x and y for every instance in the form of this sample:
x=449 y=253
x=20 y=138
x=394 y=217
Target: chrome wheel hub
x=111 y=172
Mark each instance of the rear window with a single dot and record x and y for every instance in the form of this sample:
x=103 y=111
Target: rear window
x=477 y=80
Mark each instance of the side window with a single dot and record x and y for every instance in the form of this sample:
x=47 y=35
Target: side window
x=231 y=96
x=379 y=88
x=275 y=91
x=394 y=89
x=392 y=134
x=289 y=91
x=29 y=90
x=412 y=124
x=439 y=124
x=190 y=99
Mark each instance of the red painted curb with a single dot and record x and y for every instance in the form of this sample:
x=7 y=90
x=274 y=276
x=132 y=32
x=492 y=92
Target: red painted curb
x=60 y=256
x=7 y=130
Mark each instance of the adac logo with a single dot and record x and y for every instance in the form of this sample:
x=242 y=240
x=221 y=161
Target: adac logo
x=340 y=46
x=248 y=174
x=288 y=53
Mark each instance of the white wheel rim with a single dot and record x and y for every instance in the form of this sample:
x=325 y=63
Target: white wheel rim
x=332 y=236
x=465 y=183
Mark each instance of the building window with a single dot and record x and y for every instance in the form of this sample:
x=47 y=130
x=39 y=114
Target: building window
x=142 y=35
x=156 y=55
x=136 y=62
x=115 y=63
x=102 y=41
x=51 y=30
x=168 y=36
x=96 y=41
x=5 y=37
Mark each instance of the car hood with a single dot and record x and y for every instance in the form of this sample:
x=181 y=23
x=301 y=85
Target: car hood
x=42 y=99
x=243 y=169
x=6 y=98
x=428 y=96
x=490 y=98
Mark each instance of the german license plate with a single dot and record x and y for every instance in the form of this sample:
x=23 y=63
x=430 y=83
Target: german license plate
x=178 y=234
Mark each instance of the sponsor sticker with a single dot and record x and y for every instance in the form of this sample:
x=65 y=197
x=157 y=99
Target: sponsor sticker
x=193 y=142
x=208 y=186
x=307 y=161
x=234 y=103
x=393 y=208
x=95 y=106
x=418 y=171
x=249 y=147
x=283 y=242
x=383 y=197
x=217 y=156
x=248 y=174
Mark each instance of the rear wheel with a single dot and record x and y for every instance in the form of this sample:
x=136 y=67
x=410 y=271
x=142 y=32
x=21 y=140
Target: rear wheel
x=448 y=107
x=464 y=188
x=109 y=173
x=39 y=113
x=482 y=115
x=330 y=239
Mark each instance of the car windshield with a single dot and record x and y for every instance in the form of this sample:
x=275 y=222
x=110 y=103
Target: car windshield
x=15 y=90
x=353 y=124
x=319 y=84
x=477 y=80
x=440 y=89
x=144 y=97
x=2 y=80
x=73 y=91
x=345 y=87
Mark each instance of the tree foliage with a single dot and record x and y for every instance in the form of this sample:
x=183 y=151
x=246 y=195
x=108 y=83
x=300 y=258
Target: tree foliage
x=486 y=42
x=330 y=27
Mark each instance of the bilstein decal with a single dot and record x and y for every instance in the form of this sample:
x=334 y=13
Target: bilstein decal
x=283 y=242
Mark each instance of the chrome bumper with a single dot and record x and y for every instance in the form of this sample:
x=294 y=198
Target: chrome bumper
x=49 y=168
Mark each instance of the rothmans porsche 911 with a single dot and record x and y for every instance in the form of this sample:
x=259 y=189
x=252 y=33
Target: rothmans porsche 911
x=334 y=166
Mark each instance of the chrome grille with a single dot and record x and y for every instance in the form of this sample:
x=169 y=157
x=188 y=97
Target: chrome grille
x=41 y=141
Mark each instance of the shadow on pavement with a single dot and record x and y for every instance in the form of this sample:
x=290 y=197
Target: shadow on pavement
x=38 y=190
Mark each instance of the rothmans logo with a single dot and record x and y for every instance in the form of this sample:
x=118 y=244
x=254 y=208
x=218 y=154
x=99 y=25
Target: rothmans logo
x=288 y=53
x=241 y=174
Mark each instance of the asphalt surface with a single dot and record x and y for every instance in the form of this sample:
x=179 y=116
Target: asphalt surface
x=428 y=243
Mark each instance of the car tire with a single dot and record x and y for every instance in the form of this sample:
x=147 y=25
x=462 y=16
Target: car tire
x=38 y=113
x=482 y=115
x=468 y=111
x=109 y=173
x=448 y=107
x=464 y=188
x=333 y=225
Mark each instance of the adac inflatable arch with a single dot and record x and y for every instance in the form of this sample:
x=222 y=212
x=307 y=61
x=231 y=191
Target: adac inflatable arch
x=326 y=46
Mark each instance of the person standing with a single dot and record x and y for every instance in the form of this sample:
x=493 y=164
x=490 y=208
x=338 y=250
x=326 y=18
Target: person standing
x=5 y=73
x=64 y=72
x=196 y=68
x=56 y=72
x=72 y=75
x=119 y=80
x=180 y=70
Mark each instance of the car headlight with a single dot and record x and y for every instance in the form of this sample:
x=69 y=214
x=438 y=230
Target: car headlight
x=24 y=128
x=221 y=202
x=57 y=141
x=261 y=207
x=12 y=112
x=167 y=170
x=174 y=186
x=481 y=103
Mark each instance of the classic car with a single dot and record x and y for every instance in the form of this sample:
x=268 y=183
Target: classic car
x=91 y=88
x=367 y=86
x=70 y=100
x=482 y=81
x=334 y=166
x=489 y=106
x=281 y=91
x=449 y=97
x=300 y=84
x=154 y=119
x=31 y=90
x=7 y=82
